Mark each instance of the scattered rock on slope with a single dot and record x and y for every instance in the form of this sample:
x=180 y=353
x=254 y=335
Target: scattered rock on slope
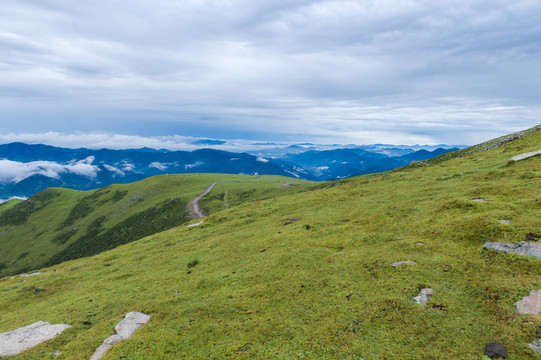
x=536 y=346
x=495 y=350
x=522 y=248
x=531 y=304
x=401 y=263
x=424 y=296
x=124 y=329
x=33 y=274
x=291 y=221
x=526 y=155
x=16 y=341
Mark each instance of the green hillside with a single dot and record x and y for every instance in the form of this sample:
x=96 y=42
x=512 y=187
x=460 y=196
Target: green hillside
x=309 y=275
x=62 y=224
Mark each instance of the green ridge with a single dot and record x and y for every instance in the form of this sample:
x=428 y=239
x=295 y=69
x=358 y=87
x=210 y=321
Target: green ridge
x=245 y=286
x=58 y=224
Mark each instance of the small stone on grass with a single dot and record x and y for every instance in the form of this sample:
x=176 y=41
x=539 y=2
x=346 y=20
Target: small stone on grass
x=424 y=296
x=495 y=350
x=401 y=263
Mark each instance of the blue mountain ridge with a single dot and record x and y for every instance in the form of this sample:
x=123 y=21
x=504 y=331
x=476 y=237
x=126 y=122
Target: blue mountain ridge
x=43 y=166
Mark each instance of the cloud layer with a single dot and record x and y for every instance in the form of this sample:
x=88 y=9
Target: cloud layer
x=14 y=171
x=409 y=71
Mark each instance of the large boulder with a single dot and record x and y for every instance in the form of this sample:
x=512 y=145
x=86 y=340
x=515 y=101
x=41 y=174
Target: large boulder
x=522 y=248
x=16 y=341
x=124 y=329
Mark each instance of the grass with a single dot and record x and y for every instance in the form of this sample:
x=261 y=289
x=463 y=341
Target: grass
x=262 y=289
x=57 y=224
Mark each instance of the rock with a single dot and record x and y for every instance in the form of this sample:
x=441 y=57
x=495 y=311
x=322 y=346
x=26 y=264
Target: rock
x=479 y=200
x=525 y=155
x=531 y=304
x=536 y=346
x=56 y=353
x=16 y=341
x=197 y=224
x=291 y=221
x=424 y=296
x=124 y=329
x=33 y=274
x=400 y=263
x=495 y=350
x=522 y=248
x=505 y=222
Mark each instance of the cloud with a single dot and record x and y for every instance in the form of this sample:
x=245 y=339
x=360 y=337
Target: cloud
x=116 y=171
x=13 y=171
x=328 y=69
x=158 y=165
x=191 y=166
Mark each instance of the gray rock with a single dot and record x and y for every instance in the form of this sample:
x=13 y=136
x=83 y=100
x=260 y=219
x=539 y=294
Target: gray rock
x=401 y=263
x=479 y=200
x=522 y=248
x=124 y=329
x=526 y=155
x=196 y=224
x=424 y=296
x=33 y=274
x=16 y=341
x=291 y=221
x=531 y=304
x=536 y=346
x=495 y=350
x=505 y=222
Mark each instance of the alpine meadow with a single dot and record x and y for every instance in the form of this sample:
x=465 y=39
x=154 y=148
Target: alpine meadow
x=285 y=268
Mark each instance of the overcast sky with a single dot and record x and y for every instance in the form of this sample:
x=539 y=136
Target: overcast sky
x=381 y=71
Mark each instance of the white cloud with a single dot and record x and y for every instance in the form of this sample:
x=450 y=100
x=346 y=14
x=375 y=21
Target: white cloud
x=127 y=166
x=196 y=164
x=114 y=170
x=260 y=159
x=158 y=165
x=13 y=171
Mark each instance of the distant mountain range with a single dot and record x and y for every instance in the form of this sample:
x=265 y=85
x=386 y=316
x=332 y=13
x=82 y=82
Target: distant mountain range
x=27 y=169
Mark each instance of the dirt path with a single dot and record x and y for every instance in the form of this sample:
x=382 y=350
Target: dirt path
x=196 y=211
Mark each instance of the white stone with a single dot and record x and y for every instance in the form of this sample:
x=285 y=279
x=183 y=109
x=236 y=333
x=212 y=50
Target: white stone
x=400 y=263
x=197 y=224
x=124 y=329
x=33 y=274
x=16 y=341
x=531 y=304
x=424 y=296
x=526 y=155
x=536 y=346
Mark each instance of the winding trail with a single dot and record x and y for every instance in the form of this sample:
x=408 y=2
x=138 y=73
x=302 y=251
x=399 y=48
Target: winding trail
x=196 y=211
x=194 y=206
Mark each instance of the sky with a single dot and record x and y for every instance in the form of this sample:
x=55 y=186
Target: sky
x=339 y=71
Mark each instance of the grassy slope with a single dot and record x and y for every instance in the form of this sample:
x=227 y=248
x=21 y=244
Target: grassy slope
x=8 y=204
x=63 y=224
x=326 y=291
